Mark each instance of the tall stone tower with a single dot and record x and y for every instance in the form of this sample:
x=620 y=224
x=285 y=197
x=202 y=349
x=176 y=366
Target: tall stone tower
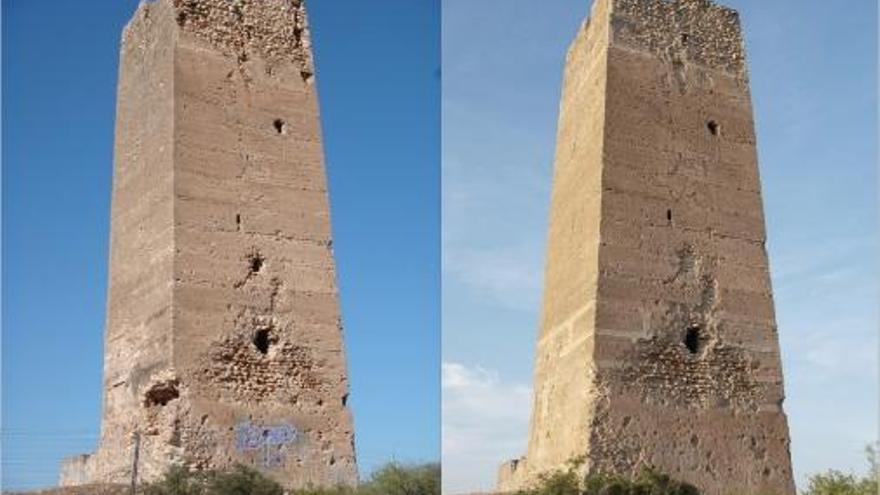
x=223 y=339
x=658 y=343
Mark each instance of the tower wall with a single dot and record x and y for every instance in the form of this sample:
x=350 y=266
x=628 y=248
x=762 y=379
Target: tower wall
x=564 y=381
x=240 y=359
x=681 y=356
x=138 y=334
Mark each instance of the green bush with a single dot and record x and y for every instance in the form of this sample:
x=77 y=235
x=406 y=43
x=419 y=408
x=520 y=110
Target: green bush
x=837 y=483
x=392 y=479
x=571 y=482
x=177 y=481
x=240 y=481
x=648 y=482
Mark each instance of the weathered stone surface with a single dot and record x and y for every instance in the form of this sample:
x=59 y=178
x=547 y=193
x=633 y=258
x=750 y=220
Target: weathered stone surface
x=658 y=342
x=224 y=338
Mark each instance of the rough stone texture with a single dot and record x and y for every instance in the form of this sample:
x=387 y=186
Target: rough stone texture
x=224 y=339
x=658 y=343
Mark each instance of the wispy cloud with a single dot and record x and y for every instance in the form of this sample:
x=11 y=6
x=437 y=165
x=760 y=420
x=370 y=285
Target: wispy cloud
x=825 y=259
x=826 y=293
x=510 y=276
x=485 y=421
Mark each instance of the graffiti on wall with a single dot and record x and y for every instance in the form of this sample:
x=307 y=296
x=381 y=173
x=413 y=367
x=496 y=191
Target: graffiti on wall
x=270 y=440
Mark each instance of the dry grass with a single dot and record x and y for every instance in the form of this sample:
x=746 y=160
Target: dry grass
x=79 y=490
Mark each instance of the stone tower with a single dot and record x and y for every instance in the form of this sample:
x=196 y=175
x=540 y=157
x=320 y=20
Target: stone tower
x=223 y=340
x=658 y=343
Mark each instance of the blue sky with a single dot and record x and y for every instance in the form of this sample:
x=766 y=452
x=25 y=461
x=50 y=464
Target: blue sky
x=813 y=70
x=378 y=77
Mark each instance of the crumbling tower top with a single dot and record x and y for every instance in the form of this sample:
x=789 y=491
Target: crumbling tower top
x=275 y=31
x=700 y=31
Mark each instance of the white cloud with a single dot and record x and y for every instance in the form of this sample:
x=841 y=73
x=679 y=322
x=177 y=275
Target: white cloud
x=485 y=421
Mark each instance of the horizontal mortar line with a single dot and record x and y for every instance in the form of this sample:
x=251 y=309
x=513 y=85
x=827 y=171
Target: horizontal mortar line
x=627 y=143
x=653 y=175
x=192 y=141
x=621 y=45
x=611 y=363
x=197 y=93
x=278 y=236
x=287 y=292
x=567 y=323
x=618 y=272
x=666 y=297
x=286 y=262
x=629 y=192
x=666 y=271
x=636 y=335
x=682 y=225
x=239 y=202
x=771 y=377
x=711 y=232
x=662 y=253
x=772 y=408
x=208 y=284
x=240 y=177
x=633 y=335
x=574 y=344
x=668 y=257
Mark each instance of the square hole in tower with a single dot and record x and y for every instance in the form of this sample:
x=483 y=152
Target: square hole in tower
x=692 y=338
x=714 y=127
x=262 y=340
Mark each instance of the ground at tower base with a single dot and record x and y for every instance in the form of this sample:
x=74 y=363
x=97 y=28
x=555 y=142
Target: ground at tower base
x=389 y=479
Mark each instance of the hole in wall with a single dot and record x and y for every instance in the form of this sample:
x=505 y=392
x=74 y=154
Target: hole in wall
x=280 y=126
x=685 y=37
x=161 y=394
x=692 y=339
x=238 y=221
x=714 y=127
x=256 y=262
x=344 y=400
x=262 y=340
x=669 y=216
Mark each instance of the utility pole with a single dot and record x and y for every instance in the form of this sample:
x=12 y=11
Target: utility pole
x=134 y=461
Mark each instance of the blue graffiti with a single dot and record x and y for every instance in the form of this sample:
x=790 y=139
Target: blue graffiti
x=271 y=439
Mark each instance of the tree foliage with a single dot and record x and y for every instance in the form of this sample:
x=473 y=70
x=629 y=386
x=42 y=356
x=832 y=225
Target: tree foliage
x=239 y=481
x=392 y=479
x=571 y=482
x=834 y=482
